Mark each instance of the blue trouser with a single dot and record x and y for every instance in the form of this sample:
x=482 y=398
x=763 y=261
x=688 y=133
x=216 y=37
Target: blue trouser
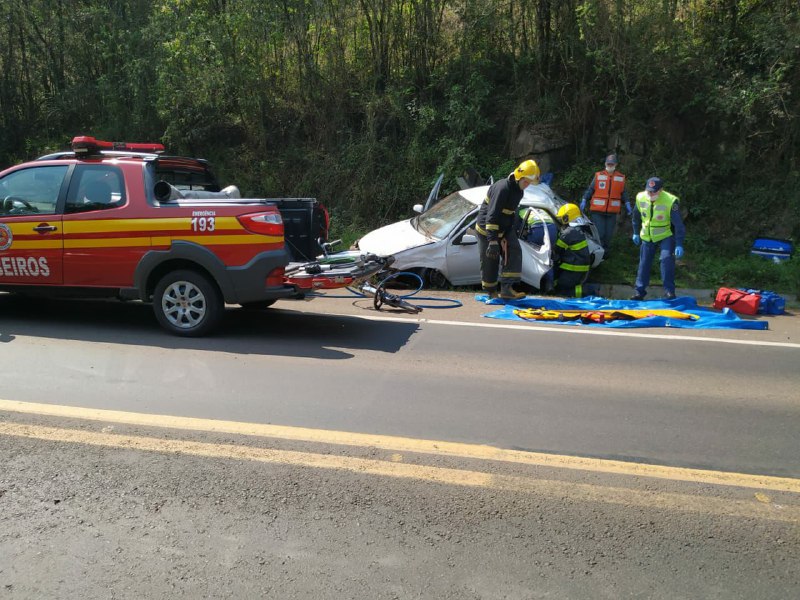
x=667 y=255
x=605 y=223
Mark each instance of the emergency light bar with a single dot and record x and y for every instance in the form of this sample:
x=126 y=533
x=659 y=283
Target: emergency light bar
x=85 y=144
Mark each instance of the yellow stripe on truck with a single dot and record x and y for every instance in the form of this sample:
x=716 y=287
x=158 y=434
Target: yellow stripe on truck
x=203 y=240
x=35 y=244
x=120 y=225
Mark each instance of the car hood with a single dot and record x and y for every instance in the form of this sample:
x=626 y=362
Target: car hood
x=393 y=238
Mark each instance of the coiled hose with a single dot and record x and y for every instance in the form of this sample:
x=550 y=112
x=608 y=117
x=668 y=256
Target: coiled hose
x=380 y=294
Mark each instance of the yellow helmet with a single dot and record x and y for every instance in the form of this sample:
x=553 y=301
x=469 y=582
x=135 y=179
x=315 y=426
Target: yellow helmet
x=568 y=213
x=528 y=169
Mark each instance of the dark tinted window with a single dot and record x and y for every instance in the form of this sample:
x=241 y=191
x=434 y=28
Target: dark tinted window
x=95 y=187
x=186 y=174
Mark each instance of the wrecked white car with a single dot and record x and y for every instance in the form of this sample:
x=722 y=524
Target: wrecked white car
x=441 y=246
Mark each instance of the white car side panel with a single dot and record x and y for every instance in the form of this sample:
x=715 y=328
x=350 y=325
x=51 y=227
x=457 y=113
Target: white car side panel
x=429 y=256
x=463 y=264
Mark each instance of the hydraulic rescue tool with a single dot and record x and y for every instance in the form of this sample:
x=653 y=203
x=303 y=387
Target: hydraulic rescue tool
x=350 y=270
x=334 y=271
x=381 y=297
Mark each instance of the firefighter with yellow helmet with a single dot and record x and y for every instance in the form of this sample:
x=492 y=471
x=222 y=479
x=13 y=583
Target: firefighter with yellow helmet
x=571 y=253
x=500 y=252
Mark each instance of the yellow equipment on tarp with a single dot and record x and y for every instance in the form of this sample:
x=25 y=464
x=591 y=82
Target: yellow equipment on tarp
x=600 y=316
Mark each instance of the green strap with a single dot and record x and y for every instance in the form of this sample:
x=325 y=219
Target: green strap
x=576 y=268
x=579 y=246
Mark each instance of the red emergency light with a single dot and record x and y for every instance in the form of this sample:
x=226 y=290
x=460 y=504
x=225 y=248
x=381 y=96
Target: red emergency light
x=85 y=144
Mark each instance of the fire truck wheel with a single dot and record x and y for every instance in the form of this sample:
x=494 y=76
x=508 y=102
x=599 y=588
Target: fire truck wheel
x=186 y=303
x=260 y=305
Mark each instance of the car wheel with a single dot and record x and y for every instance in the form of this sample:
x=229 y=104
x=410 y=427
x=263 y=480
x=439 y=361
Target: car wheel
x=260 y=305
x=434 y=279
x=187 y=303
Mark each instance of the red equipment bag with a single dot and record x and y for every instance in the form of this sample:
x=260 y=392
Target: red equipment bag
x=737 y=300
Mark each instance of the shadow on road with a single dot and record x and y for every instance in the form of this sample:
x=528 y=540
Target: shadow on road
x=275 y=331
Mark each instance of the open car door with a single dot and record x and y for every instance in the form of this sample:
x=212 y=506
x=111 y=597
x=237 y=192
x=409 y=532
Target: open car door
x=537 y=259
x=433 y=196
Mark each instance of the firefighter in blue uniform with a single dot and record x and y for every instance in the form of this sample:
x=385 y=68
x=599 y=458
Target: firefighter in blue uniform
x=572 y=256
x=497 y=236
x=657 y=224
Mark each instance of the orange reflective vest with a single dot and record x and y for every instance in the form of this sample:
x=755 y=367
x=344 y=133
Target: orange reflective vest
x=608 y=189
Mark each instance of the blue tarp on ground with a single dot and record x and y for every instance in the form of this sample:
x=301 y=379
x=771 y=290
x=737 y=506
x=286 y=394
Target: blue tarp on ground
x=709 y=318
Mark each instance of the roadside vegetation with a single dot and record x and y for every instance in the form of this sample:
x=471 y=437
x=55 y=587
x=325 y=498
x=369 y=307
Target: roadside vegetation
x=708 y=267
x=362 y=104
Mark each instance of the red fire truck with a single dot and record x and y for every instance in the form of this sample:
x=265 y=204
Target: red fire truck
x=125 y=220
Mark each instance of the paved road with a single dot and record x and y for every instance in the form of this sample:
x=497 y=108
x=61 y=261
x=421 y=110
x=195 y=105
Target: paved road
x=674 y=401
x=364 y=458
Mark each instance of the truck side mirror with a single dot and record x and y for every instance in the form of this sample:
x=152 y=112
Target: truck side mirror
x=417 y=209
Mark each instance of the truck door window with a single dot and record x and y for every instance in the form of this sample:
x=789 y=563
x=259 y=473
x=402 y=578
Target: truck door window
x=31 y=191
x=95 y=187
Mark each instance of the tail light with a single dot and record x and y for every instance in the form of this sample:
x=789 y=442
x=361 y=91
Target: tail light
x=262 y=223
x=275 y=277
x=327 y=218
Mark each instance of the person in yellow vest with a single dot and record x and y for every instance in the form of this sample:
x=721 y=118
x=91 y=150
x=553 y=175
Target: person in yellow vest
x=606 y=196
x=657 y=223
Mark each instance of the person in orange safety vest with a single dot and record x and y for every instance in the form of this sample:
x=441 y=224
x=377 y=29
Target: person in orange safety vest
x=606 y=195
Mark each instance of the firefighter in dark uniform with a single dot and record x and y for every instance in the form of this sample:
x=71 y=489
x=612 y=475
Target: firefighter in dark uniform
x=497 y=236
x=572 y=256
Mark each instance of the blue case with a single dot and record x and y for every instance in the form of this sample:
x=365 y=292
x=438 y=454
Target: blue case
x=772 y=248
x=769 y=303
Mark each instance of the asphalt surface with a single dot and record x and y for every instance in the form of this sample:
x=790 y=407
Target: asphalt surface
x=426 y=456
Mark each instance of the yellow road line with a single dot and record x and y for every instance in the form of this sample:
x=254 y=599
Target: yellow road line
x=756 y=508
x=401 y=444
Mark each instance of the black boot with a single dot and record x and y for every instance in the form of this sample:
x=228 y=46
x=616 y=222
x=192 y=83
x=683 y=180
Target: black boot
x=507 y=292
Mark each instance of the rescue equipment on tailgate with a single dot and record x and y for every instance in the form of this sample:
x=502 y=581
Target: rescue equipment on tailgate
x=353 y=271
x=330 y=272
x=348 y=270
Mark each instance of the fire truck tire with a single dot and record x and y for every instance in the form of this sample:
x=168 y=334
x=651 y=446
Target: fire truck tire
x=260 y=305
x=187 y=303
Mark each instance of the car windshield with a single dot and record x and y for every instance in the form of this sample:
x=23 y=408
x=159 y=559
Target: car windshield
x=444 y=216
